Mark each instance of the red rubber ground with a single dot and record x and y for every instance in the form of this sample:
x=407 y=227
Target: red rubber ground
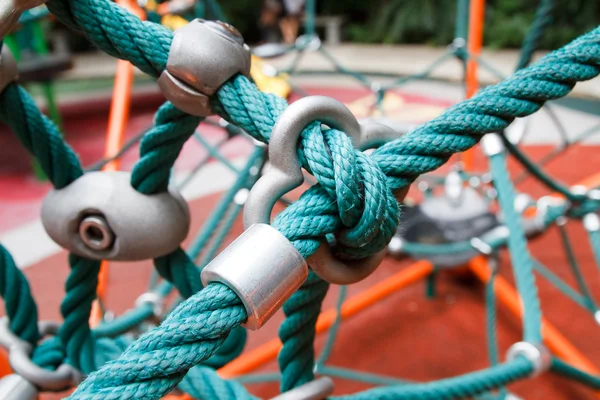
x=407 y=335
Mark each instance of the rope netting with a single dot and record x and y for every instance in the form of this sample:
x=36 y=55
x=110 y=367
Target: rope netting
x=147 y=353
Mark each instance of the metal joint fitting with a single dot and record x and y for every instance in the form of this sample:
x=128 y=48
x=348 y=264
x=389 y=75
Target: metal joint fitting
x=481 y=246
x=317 y=389
x=153 y=300
x=15 y=387
x=203 y=56
x=517 y=130
x=492 y=144
x=537 y=354
x=285 y=175
x=8 y=68
x=10 y=12
x=64 y=377
x=263 y=268
x=591 y=222
x=102 y=217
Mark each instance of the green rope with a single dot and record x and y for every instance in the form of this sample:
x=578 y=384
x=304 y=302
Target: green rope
x=39 y=136
x=542 y=21
x=426 y=148
x=519 y=254
x=20 y=306
x=297 y=333
x=563 y=369
x=574 y=265
x=453 y=388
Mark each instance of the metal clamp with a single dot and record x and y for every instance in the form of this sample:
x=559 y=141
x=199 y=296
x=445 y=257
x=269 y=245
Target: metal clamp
x=15 y=387
x=492 y=144
x=100 y=216
x=317 y=389
x=591 y=222
x=153 y=300
x=285 y=175
x=10 y=12
x=537 y=354
x=8 y=68
x=263 y=268
x=203 y=56
x=64 y=377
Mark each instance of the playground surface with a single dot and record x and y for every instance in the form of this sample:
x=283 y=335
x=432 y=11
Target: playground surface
x=407 y=335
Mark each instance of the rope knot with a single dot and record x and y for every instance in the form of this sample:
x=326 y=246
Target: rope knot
x=367 y=209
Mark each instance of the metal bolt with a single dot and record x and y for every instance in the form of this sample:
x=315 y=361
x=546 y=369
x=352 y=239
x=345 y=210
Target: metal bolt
x=95 y=233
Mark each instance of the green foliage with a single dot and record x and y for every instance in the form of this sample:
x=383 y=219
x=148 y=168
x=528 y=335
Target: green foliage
x=434 y=21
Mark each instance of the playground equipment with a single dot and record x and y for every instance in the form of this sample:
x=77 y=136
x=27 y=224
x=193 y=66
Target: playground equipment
x=348 y=217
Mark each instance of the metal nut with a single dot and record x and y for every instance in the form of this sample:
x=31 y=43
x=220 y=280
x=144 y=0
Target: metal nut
x=8 y=68
x=263 y=268
x=100 y=216
x=203 y=56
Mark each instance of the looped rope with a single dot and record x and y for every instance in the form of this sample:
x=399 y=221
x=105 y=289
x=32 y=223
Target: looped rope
x=20 y=306
x=117 y=32
x=352 y=200
x=189 y=341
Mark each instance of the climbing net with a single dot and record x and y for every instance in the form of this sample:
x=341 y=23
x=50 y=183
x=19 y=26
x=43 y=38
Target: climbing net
x=340 y=225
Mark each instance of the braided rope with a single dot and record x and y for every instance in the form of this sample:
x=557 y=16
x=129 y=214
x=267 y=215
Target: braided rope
x=426 y=147
x=39 y=136
x=21 y=309
x=297 y=333
x=154 y=364
x=59 y=162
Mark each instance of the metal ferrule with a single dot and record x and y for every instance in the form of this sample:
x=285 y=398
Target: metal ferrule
x=15 y=387
x=492 y=144
x=318 y=389
x=102 y=217
x=263 y=268
x=285 y=174
x=537 y=354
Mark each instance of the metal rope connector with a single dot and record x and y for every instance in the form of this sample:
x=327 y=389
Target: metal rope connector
x=10 y=12
x=15 y=387
x=203 y=56
x=492 y=144
x=102 y=217
x=285 y=174
x=64 y=377
x=263 y=268
x=537 y=354
x=8 y=68
x=317 y=389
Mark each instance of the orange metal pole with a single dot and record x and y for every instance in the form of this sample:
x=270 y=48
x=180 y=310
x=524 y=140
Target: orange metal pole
x=117 y=123
x=269 y=350
x=475 y=41
x=555 y=340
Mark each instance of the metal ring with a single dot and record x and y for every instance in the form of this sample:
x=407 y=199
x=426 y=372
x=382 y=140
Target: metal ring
x=95 y=233
x=64 y=377
x=537 y=354
x=285 y=174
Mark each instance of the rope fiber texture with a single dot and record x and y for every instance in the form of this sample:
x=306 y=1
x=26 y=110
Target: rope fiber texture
x=315 y=214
